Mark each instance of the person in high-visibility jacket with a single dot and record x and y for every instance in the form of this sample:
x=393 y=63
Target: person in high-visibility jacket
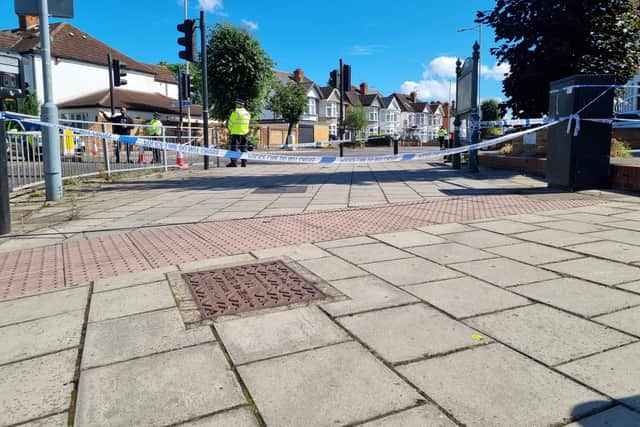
x=238 y=125
x=442 y=133
x=155 y=130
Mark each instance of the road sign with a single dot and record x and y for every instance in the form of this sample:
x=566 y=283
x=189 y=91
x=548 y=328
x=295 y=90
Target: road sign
x=57 y=8
x=176 y=104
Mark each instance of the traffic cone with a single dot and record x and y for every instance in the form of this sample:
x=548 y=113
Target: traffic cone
x=94 y=150
x=142 y=158
x=180 y=161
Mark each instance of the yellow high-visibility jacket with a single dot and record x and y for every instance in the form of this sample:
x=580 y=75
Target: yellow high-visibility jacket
x=238 y=123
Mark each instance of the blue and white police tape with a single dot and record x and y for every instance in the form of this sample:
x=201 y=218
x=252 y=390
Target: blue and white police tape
x=319 y=144
x=515 y=122
x=267 y=157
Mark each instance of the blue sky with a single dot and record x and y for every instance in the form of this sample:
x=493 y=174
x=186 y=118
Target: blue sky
x=392 y=46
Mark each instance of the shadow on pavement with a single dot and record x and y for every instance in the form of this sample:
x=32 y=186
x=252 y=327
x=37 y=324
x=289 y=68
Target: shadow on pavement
x=614 y=416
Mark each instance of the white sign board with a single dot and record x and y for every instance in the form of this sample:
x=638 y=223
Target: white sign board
x=57 y=8
x=530 y=139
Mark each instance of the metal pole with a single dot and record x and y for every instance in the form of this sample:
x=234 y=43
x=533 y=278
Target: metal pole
x=205 y=89
x=341 y=126
x=105 y=152
x=5 y=213
x=49 y=114
x=475 y=112
x=216 y=144
x=186 y=16
x=112 y=94
x=164 y=154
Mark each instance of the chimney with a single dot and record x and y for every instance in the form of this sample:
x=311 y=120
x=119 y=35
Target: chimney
x=413 y=96
x=364 y=88
x=28 y=22
x=298 y=75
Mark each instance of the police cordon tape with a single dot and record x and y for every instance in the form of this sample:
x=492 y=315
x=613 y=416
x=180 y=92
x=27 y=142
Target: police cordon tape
x=214 y=152
x=320 y=143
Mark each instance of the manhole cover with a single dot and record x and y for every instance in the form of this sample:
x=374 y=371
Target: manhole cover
x=245 y=288
x=281 y=189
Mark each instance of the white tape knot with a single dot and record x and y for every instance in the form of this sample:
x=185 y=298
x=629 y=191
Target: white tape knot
x=572 y=118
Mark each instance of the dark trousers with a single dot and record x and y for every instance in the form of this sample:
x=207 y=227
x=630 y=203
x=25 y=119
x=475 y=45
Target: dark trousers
x=157 y=155
x=239 y=143
x=127 y=148
x=441 y=142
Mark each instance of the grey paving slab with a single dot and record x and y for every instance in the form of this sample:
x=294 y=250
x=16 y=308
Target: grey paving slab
x=410 y=332
x=504 y=226
x=577 y=296
x=614 y=372
x=625 y=236
x=128 y=301
x=440 y=229
x=548 y=335
x=60 y=420
x=352 y=241
x=597 y=270
x=364 y=254
x=633 y=216
x=275 y=334
x=366 y=293
x=330 y=386
x=557 y=238
x=450 y=253
x=158 y=390
x=615 y=251
x=409 y=238
x=575 y=226
x=298 y=252
x=213 y=263
x=618 y=416
x=625 y=320
x=422 y=416
x=139 y=335
x=36 y=387
x=43 y=305
x=481 y=239
x=633 y=287
x=494 y=386
x=504 y=272
x=534 y=253
x=602 y=209
x=466 y=296
x=529 y=219
x=410 y=271
x=628 y=225
x=38 y=337
x=132 y=279
x=586 y=217
x=332 y=268
x=241 y=417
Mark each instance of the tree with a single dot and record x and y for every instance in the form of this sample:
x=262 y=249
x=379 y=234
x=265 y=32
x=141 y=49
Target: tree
x=355 y=120
x=491 y=110
x=544 y=41
x=29 y=105
x=238 y=68
x=288 y=101
x=196 y=78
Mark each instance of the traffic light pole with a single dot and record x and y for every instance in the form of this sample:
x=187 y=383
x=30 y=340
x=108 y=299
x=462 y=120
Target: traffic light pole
x=341 y=125
x=205 y=89
x=5 y=214
x=112 y=92
x=49 y=114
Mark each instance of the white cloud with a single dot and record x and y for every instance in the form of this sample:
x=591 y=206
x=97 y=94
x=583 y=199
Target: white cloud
x=365 y=50
x=210 y=5
x=430 y=89
x=441 y=67
x=497 y=72
x=250 y=25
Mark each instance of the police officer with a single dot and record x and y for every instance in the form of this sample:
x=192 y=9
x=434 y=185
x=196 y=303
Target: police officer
x=238 y=125
x=441 y=134
x=155 y=130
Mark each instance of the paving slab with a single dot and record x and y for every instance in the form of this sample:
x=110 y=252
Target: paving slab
x=529 y=218
x=297 y=253
x=466 y=296
x=364 y=254
x=614 y=372
x=504 y=226
x=494 y=386
x=628 y=225
x=615 y=251
x=481 y=239
x=548 y=335
x=450 y=228
x=534 y=253
x=408 y=238
x=330 y=386
x=132 y=279
x=43 y=305
x=580 y=297
x=60 y=420
x=366 y=293
x=38 y=387
x=125 y=338
x=38 y=337
x=275 y=334
x=625 y=236
x=422 y=416
x=586 y=217
x=162 y=389
x=332 y=268
x=625 y=320
x=504 y=272
x=127 y=301
x=450 y=253
x=574 y=226
x=241 y=417
x=410 y=332
x=410 y=271
x=213 y=263
x=633 y=216
x=557 y=238
x=618 y=416
x=633 y=287
x=352 y=241
x=597 y=270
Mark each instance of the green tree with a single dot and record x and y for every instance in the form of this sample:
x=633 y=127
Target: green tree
x=196 y=78
x=288 y=101
x=355 y=120
x=238 y=68
x=491 y=110
x=544 y=41
x=28 y=105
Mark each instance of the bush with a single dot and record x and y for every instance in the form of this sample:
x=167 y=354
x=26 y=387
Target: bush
x=490 y=133
x=620 y=149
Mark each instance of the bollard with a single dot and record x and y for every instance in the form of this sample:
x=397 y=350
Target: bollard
x=395 y=146
x=5 y=213
x=341 y=149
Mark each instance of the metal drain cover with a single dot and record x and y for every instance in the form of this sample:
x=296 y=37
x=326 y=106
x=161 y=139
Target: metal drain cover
x=281 y=189
x=244 y=288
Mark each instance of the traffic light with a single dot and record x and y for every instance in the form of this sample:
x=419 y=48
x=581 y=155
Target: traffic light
x=333 y=79
x=119 y=72
x=186 y=90
x=189 y=41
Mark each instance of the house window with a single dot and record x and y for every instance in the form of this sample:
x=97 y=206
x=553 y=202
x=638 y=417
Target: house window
x=333 y=129
x=311 y=107
x=332 y=110
x=373 y=114
x=392 y=116
x=421 y=120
